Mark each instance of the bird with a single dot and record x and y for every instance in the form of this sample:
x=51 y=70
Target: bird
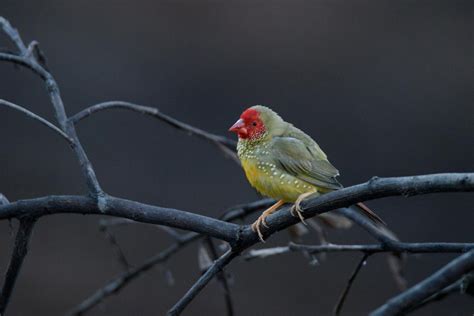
x=282 y=162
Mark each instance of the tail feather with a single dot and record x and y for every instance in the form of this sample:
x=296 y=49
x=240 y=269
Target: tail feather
x=370 y=214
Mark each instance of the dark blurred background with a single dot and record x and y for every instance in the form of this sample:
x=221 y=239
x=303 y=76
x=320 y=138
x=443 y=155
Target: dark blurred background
x=385 y=87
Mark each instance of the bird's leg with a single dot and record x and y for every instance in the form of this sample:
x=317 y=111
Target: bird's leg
x=261 y=219
x=297 y=208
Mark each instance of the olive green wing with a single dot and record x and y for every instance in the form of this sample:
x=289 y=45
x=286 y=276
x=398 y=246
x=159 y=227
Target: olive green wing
x=305 y=161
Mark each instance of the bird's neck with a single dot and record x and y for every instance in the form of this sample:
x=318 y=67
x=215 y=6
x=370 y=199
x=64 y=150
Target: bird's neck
x=247 y=148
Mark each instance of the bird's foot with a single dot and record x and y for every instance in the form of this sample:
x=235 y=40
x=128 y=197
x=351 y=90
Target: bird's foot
x=257 y=226
x=261 y=220
x=296 y=210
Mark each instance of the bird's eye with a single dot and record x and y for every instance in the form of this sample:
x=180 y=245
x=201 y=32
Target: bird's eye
x=254 y=123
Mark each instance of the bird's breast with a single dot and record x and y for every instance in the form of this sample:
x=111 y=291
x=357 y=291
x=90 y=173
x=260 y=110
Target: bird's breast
x=271 y=181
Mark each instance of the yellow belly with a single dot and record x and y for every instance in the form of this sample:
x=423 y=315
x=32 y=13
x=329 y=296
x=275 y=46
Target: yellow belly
x=275 y=183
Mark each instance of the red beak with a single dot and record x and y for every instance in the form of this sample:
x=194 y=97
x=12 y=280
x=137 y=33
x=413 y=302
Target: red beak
x=238 y=127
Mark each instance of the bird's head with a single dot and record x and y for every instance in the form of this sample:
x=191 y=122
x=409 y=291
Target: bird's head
x=256 y=123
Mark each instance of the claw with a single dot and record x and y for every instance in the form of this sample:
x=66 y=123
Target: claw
x=256 y=228
x=261 y=221
x=297 y=207
x=297 y=212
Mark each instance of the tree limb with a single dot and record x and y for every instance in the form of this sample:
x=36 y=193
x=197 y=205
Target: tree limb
x=20 y=250
x=373 y=189
x=117 y=207
x=450 y=273
x=450 y=289
x=376 y=188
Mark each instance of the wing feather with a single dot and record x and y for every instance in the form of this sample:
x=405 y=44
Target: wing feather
x=305 y=161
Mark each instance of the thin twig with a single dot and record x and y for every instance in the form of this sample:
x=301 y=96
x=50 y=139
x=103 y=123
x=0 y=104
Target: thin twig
x=37 y=118
x=403 y=247
x=20 y=250
x=25 y=62
x=384 y=235
x=225 y=144
x=122 y=259
x=342 y=298
x=122 y=280
x=197 y=287
x=450 y=273
x=222 y=278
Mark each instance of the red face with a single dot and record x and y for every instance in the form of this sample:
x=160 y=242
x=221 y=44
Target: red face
x=249 y=126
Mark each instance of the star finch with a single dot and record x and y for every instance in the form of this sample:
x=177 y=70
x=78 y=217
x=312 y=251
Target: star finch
x=284 y=163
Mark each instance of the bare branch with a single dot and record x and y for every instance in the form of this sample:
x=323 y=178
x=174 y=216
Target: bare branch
x=121 y=208
x=376 y=188
x=29 y=61
x=22 y=61
x=122 y=280
x=216 y=267
x=269 y=252
x=223 y=143
x=37 y=118
x=447 y=275
x=402 y=247
x=118 y=283
x=342 y=298
x=373 y=189
x=19 y=253
x=222 y=277
x=384 y=235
